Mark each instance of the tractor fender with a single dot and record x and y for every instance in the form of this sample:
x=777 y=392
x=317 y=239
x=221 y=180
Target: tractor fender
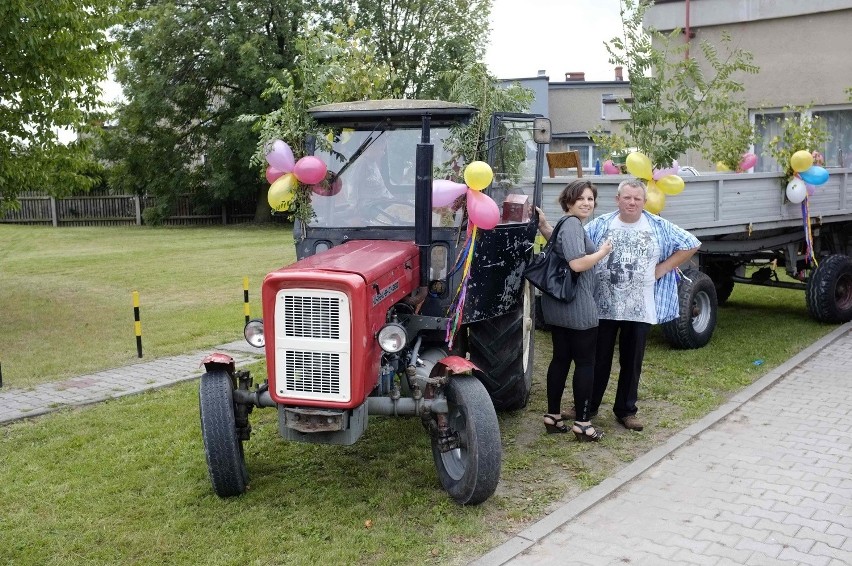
x=219 y=361
x=457 y=364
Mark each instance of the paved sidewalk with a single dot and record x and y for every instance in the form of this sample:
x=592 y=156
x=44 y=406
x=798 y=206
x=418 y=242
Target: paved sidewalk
x=765 y=479
x=23 y=403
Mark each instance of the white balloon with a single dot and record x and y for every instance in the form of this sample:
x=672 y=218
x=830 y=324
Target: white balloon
x=797 y=190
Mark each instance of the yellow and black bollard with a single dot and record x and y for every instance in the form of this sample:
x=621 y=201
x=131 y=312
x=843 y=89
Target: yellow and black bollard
x=246 y=307
x=137 y=323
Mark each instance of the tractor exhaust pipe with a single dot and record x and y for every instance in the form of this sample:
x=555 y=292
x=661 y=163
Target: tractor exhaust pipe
x=423 y=199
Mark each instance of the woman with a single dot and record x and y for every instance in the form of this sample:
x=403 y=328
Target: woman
x=574 y=325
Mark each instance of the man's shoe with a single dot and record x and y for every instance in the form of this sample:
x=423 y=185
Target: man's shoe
x=631 y=422
x=571 y=414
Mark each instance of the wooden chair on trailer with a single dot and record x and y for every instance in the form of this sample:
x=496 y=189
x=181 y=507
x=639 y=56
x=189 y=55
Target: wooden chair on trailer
x=564 y=160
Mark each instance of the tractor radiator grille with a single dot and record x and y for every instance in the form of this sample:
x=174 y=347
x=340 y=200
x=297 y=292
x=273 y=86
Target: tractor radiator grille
x=312 y=372
x=313 y=345
x=312 y=317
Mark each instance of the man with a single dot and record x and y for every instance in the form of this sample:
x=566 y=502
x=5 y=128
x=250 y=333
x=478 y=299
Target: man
x=637 y=287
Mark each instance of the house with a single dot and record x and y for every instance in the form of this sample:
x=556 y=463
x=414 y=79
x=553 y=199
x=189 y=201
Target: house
x=802 y=49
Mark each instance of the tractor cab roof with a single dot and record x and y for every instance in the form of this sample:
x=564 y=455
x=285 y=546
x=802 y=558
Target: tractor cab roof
x=399 y=113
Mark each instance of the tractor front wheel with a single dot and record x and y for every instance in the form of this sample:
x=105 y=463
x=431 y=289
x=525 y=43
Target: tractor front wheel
x=468 y=454
x=223 y=449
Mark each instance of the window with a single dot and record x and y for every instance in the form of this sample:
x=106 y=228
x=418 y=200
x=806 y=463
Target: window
x=589 y=152
x=768 y=125
x=838 y=150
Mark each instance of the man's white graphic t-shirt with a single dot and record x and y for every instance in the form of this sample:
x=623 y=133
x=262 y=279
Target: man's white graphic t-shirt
x=626 y=278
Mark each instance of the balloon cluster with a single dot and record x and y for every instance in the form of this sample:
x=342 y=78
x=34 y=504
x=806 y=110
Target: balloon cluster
x=481 y=209
x=747 y=161
x=285 y=173
x=661 y=182
x=806 y=176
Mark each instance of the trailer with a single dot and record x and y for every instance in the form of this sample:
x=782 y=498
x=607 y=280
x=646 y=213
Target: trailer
x=744 y=220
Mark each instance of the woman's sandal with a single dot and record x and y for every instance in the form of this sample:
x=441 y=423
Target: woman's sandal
x=587 y=433
x=555 y=424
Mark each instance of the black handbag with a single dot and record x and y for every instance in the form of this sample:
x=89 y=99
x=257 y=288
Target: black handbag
x=549 y=272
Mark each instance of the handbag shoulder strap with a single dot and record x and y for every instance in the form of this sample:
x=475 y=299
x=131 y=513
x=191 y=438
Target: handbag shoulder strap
x=554 y=234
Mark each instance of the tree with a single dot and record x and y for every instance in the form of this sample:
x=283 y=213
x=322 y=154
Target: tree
x=420 y=40
x=474 y=85
x=193 y=68
x=673 y=99
x=53 y=53
x=329 y=68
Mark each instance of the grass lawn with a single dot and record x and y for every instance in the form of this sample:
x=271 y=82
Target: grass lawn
x=66 y=293
x=125 y=481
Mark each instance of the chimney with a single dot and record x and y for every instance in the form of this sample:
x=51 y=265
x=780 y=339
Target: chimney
x=575 y=76
x=542 y=72
x=618 y=75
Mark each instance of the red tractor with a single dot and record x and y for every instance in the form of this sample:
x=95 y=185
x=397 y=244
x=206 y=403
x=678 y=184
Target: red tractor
x=358 y=325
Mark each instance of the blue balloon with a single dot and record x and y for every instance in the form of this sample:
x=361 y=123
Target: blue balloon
x=815 y=175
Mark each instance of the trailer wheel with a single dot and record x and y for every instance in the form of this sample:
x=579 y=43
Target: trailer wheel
x=828 y=292
x=697 y=317
x=223 y=449
x=470 y=469
x=503 y=348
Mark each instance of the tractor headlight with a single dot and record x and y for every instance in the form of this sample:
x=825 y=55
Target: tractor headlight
x=254 y=333
x=392 y=338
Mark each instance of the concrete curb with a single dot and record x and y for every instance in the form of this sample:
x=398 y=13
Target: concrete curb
x=80 y=391
x=574 y=507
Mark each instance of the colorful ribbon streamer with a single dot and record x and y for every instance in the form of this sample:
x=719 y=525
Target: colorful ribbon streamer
x=456 y=309
x=809 y=235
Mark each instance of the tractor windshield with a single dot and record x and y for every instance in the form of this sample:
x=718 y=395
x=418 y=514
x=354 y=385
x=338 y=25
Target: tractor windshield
x=372 y=177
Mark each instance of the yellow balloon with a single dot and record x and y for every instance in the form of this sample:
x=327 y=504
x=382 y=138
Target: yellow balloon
x=282 y=191
x=478 y=175
x=801 y=161
x=671 y=184
x=722 y=167
x=639 y=165
x=656 y=200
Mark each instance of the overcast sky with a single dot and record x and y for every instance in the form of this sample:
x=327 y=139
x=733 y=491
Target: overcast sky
x=557 y=36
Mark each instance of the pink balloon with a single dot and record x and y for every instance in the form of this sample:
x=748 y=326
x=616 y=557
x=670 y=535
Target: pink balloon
x=272 y=174
x=281 y=157
x=482 y=210
x=444 y=192
x=660 y=173
x=609 y=168
x=747 y=162
x=811 y=189
x=325 y=189
x=310 y=170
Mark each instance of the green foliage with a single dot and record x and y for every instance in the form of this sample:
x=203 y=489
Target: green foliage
x=190 y=69
x=331 y=66
x=799 y=131
x=53 y=53
x=422 y=40
x=674 y=100
x=729 y=138
x=475 y=86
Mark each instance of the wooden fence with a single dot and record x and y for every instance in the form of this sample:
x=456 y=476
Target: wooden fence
x=114 y=210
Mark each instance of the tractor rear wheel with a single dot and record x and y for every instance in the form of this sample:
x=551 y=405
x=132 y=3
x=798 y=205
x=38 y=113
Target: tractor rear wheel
x=469 y=468
x=223 y=449
x=503 y=348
